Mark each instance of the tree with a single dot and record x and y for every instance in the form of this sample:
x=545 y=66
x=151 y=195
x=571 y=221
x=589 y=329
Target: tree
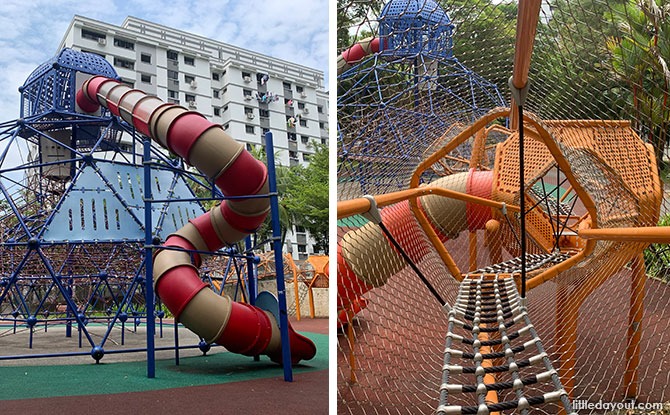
x=639 y=56
x=306 y=196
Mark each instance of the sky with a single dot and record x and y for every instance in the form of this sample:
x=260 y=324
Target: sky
x=31 y=30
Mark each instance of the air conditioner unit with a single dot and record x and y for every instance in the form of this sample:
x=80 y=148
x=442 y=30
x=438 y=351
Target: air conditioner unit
x=191 y=104
x=247 y=79
x=247 y=97
x=305 y=110
x=102 y=41
x=194 y=84
x=250 y=115
x=303 y=94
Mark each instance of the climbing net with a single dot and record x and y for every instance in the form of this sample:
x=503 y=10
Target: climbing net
x=419 y=91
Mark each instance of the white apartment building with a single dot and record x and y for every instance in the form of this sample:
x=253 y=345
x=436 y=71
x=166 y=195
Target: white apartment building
x=246 y=92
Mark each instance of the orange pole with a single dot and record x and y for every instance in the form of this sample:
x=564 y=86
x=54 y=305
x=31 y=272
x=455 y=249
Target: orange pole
x=634 y=335
x=567 y=312
x=526 y=24
x=350 y=337
x=310 y=293
x=472 y=240
x=649 y=234
x=489 y=378
x=361 y=205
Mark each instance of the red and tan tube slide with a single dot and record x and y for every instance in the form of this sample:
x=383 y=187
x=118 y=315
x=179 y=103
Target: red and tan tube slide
x=239 y=327
x=356 y=53
x=365 y=257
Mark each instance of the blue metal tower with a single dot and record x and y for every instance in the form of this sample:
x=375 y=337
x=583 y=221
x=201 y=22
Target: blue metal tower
x=73 y=216
x=396 y=104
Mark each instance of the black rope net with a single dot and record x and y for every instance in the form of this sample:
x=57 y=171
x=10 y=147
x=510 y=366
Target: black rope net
x=413 y=75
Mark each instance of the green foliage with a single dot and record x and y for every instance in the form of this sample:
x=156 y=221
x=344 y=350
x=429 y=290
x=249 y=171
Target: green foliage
x=306 y=196
x=657 y=256
x=639 y=58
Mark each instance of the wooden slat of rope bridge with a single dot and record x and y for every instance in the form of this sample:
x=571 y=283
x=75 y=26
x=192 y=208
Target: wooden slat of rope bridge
x=493 y=308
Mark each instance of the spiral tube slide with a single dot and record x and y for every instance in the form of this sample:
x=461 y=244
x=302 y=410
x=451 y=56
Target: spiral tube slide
x=239 y=327
x=356 y=53
x=358 y=273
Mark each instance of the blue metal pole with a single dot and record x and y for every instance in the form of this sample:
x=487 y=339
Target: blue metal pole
x=279 y=260
x=148 y=262
x=251 y=275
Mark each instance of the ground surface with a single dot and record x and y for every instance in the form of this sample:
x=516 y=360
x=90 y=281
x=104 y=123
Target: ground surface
x=218 y=383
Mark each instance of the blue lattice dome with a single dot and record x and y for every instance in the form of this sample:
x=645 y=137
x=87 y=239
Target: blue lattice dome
x=412 y=27
x=51 y=87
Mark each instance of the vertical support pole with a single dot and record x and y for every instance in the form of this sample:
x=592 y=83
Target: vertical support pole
x=279 y=260
x=251 y=273
x=567 y=312
x=352 y=342
x=148 y=262
x=472 y=245
x=634 y=335
x=251 y=278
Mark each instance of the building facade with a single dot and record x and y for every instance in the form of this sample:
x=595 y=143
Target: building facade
x=246 y=92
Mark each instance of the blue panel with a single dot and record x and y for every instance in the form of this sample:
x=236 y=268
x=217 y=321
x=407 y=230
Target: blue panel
x=127 y=181
x=92 y=210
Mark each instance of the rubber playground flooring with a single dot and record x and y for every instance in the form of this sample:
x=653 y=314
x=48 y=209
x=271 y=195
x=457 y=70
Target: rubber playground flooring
x=219 y=382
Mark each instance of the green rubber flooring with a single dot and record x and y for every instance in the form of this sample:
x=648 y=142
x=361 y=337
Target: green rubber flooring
x=22 y=382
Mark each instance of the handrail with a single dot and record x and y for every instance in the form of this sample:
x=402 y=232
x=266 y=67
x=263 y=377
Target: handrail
x=649 y=234
x=347 y=208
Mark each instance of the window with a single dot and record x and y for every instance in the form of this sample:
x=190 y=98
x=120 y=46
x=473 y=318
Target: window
x=215 y=76
x=299 y=229
x=293 y=155
x=303 y=123
x=91 y=35
x=189 y=97
x=173 y=74
x=264 y=113
x=246 y=75
x=188 y=60
x=265 y=131
x=323 y=141
x=306 y=156
x=304 y=139
x=301 y=105
x=124 y=63
x=298 y=88
x=322 y=125
x=319 y=108
x=189 y=78
x=173 y=94
x=249 y=129
x=146 y=78
x=287 y=85
x=122 y=43
x=225 y=108
x=248 y=110
x=292 y=137
x=172 y=55
x=216 y=93
x=250 y=147
x=145 y=57
x=217 y=111
x=246 y=92
x=302 y=248
x=93 y=52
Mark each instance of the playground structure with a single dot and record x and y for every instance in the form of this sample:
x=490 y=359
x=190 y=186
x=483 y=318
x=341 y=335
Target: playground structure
x=497 y=265
x=93 y=198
